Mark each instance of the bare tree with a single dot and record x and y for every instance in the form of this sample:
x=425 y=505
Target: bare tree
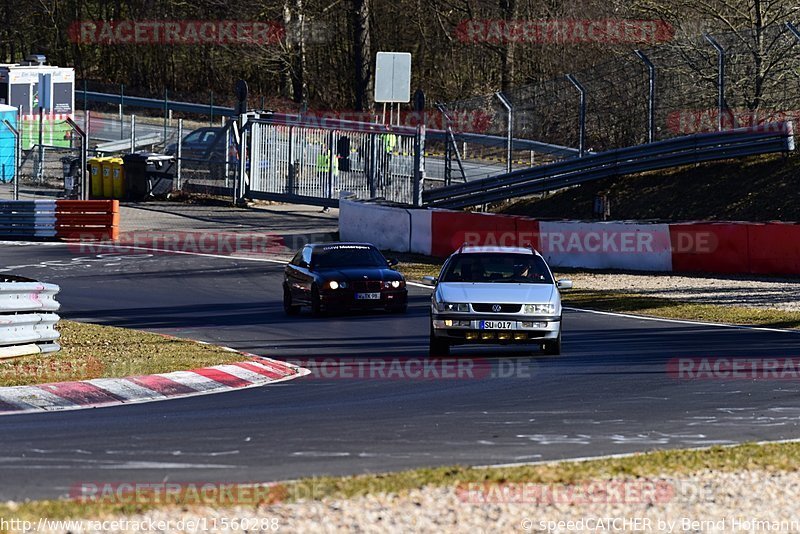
x=362 y=54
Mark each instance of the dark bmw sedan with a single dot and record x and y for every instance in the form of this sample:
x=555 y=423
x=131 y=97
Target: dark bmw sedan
x=342 y=276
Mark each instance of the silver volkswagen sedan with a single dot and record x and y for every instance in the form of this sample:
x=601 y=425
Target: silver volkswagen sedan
x=495 y=295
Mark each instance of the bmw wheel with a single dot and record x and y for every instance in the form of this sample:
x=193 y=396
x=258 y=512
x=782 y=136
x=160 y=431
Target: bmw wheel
x=288 y=307
x=316 y=302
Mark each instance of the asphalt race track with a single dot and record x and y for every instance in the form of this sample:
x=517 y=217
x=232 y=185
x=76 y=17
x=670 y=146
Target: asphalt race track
x=609 y=393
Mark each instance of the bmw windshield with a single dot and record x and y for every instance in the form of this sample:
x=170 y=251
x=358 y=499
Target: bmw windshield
x=336 y=256
x=499 y=267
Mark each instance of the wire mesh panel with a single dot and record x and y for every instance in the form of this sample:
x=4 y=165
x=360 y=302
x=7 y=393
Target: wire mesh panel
x=321 y=163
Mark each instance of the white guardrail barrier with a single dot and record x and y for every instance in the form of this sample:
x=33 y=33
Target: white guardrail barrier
x=27 y=318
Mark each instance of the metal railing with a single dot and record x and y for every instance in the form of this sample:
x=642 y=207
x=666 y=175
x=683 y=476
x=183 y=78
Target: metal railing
x=291 y=159
x=769 y=138
x=27 y=317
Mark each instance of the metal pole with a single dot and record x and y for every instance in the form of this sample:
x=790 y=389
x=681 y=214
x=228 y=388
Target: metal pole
x=330 y=163
x=794 y=30
x=227 y=153
x=40 y=163
x=121 y=110
x=651 y=96
x=720 y=78
x=240 y=185
x=582 y=115
x=166 y=112
x=178 y=151
x=448 y=164
x=84 y=158
x=509 y=130
x=419 y=164
x=15 y=133
x=290 y=159
x=133 y=134
x=18 y=156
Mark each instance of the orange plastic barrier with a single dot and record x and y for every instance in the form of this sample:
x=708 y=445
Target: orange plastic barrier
x=87 y=219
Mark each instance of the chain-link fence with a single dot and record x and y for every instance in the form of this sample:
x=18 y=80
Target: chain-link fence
x=760 y=83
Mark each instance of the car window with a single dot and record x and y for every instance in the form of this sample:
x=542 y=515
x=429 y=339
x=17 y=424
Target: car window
x=209 y=137
x=497 y=267
x=307 y=255
x=348 y=256
x=193 y=137
x=298 y=258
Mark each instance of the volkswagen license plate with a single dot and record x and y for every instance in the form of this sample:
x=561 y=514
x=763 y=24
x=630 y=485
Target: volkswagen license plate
x=498 y=325
x=368 y=296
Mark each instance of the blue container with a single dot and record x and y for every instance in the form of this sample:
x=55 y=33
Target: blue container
x=7 y=152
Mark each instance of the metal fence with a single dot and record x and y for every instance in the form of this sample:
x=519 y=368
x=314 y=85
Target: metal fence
x=692 y=84
x=312 y=162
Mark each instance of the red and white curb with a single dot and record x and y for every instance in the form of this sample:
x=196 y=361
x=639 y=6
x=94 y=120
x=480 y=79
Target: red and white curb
x=254 y=372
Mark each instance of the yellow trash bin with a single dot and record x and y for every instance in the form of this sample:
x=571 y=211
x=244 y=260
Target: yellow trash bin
x=117 y=178
x=96 y=180
x=108 y=185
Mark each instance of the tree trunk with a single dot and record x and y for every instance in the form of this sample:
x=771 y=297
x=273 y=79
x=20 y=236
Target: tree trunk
x=509 y=9
x=362 y=55
x=294 y=75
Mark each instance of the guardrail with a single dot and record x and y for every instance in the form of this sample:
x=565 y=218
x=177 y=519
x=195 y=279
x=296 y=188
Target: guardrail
x=124 y=145
x=764 y=139
x=27 y=317
x=59 y=219
x=155 y=103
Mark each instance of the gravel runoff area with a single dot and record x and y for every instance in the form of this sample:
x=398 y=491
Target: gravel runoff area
x=709 y=502
x=775 y=293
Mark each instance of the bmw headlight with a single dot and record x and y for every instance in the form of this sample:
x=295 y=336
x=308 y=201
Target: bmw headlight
x=333 y=284
x=394 y=284
x=452 y=306
x=539 y=309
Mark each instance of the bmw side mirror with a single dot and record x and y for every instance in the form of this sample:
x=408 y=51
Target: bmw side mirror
x=392 y=262
x=564 y=284
x=429 y=280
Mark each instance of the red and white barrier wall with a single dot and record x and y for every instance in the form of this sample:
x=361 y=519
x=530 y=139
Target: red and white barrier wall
x=725 y=247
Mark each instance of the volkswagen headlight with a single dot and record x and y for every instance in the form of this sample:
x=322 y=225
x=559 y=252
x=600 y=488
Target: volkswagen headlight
x=539 y=309
x=452 y=306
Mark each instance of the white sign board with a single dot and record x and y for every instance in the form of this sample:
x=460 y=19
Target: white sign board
x=393 y=77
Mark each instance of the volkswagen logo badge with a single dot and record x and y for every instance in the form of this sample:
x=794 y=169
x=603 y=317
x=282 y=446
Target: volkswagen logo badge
x=496 y=308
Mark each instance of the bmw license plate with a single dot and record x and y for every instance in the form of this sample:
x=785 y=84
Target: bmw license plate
x=497 y=325
x=368 y=296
